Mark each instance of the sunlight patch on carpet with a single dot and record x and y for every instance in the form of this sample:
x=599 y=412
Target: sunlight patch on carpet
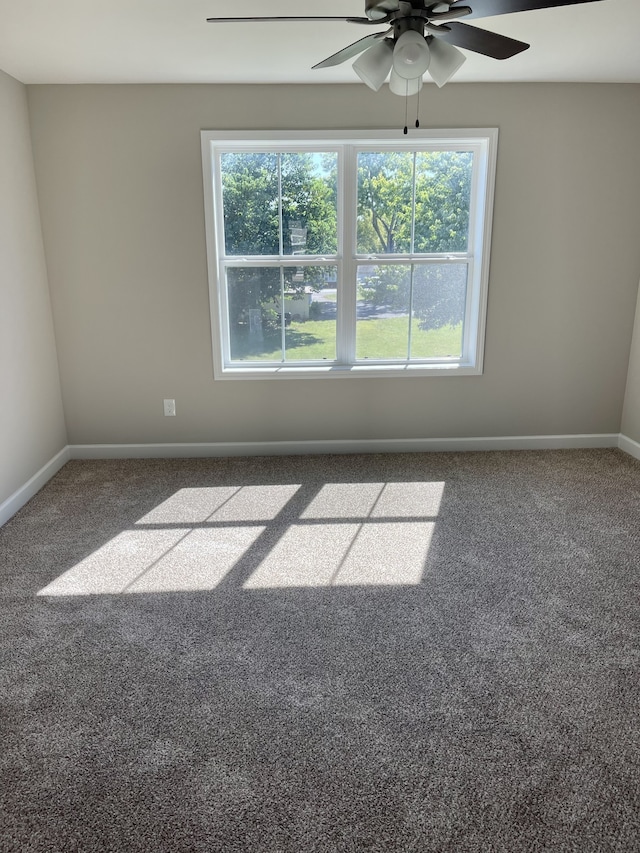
x=266 y=536
x=377 y=546
x=116 y=564
x=346 y=555
x=222 y=503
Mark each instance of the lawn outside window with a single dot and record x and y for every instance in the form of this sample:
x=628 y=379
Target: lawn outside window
x=335 y=254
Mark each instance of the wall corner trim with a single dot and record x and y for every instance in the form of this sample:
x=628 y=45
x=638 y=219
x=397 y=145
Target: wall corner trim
x=20 y=497
x=628 y=445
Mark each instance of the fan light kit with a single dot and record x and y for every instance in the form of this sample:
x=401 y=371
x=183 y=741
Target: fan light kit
x=422 y=37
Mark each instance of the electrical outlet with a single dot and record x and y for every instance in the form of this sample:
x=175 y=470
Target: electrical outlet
x=169 y=408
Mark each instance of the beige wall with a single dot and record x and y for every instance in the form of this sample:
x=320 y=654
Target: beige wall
x=120 y=186
x=631 y=412
x=32 y=426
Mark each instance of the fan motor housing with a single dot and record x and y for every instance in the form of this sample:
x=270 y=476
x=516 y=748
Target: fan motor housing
x=401 y=25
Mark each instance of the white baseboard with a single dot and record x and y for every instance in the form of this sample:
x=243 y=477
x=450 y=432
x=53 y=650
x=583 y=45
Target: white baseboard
x=19 y=498
x=295 y=448
x=629 y=446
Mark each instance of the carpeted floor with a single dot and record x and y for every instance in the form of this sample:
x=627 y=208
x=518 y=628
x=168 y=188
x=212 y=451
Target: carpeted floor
x=424 y=653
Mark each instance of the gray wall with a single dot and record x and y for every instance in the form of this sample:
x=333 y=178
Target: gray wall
x=631 y=411
x=120 y=187
x=32 y=428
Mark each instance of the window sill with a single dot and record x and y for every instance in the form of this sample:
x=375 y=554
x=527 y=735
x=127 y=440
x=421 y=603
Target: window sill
x=338 y=371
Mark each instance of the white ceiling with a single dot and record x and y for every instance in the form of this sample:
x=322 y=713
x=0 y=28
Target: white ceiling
x=169 y=41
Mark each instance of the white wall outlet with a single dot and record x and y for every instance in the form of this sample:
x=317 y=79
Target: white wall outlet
x=169 y=408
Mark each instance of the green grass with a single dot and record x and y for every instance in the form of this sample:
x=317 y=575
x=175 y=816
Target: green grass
x=387 y=338
x=315 y=340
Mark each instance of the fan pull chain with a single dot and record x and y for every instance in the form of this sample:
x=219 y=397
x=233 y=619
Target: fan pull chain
x=406 y=107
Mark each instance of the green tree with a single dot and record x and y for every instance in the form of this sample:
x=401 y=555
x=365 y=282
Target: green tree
x=385 y=180
x=443 y=192
x=258 y=188
x=288 y=201
x=441 y=225
x=309 y=203
x=250 y=203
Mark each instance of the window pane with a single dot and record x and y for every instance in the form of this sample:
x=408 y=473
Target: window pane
x=250 y=203
x=255 y=330
x=385 y=192
x=310 y=311
x=382 y=311
x=439 y=297
x=309 y=203
x=443 y=190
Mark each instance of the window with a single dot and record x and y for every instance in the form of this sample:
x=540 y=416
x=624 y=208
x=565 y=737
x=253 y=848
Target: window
x=362 y=254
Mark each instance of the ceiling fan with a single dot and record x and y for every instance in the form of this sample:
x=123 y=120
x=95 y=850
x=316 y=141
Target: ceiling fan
x=423 y=35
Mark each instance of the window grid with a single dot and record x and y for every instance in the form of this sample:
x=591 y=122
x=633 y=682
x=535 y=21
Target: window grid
x=347 y=260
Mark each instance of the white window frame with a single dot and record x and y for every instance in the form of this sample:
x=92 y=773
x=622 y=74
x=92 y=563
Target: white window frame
x=483 y=142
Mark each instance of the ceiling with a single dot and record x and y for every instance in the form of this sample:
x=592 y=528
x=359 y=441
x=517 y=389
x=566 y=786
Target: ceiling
x=169 y=41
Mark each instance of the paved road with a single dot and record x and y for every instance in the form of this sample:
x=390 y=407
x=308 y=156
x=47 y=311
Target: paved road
x=327 y=300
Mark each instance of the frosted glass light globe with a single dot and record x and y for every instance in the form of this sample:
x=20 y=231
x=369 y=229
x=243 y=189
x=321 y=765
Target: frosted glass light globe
x=411 y=55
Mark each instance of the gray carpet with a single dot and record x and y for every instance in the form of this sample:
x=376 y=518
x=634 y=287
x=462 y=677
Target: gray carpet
x=431 y=652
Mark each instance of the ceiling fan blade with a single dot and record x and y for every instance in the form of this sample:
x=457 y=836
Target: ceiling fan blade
x=288 y=18
x=377 y=10
x=481 y=41
x=460 y=10
x=351 y=50
x=488 y=8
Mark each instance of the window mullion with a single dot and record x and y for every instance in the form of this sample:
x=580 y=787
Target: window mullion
x=348 y=192
x=280 y=223
x=413 y=266
x=468 y=339
x=223 y=296
x=282 y=323
x=413 y=249
x=281 y=251
x=413 y=206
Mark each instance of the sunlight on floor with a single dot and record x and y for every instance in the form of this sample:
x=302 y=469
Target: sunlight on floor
x=224 y=503
x=347 y=554
x=270 y=536
x=375 y=546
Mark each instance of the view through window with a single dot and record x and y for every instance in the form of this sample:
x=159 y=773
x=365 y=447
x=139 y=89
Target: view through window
x=357 y=255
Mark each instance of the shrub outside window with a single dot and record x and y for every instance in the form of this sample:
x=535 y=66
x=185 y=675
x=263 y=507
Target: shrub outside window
x=348 y=254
